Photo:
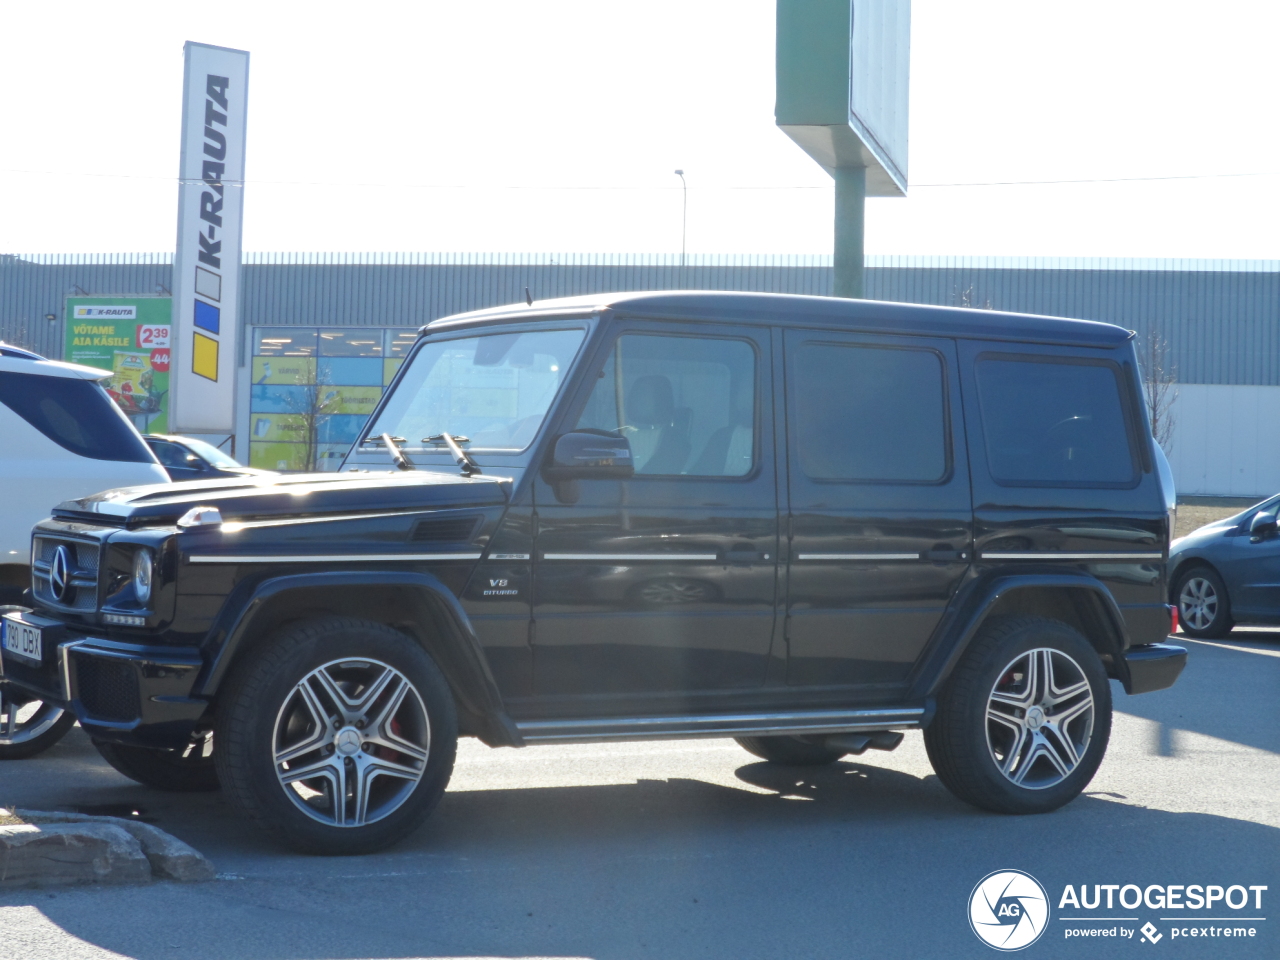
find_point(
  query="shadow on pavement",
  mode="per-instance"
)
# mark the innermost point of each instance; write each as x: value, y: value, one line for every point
x: 1230, y: 689
x: 822, y: 861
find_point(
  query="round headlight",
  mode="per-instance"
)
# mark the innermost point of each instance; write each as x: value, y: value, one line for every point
x: 142, y: 571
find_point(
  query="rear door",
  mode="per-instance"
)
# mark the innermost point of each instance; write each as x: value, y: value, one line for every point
x: 878, y: 501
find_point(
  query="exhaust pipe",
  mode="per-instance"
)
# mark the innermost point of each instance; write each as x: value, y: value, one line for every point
x: 861, y: 742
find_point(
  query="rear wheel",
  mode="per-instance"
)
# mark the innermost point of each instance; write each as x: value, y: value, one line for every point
x: 337, y: 735
x: 1023, y: 722
x: 1204, y: 609
x: 190, y: 770
x: 29, y: 727
x: 790, y: 751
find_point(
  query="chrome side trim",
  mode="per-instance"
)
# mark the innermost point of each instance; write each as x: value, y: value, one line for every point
x: 333, y: 558
x: 719, y: 725
x: 628, y: 557
x: 857, y: 556
x: 234, y: 526
x: 1072, y: 556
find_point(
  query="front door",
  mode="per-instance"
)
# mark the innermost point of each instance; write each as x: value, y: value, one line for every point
x: 878, y: 497
x: 663, y: 586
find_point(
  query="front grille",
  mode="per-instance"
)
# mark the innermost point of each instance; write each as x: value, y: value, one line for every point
x: 456, y: 529
x: 81, y: 595
x: 108, y: 689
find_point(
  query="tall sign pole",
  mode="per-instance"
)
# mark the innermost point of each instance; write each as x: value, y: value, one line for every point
x: 843, y: 67
x: 206, y: 266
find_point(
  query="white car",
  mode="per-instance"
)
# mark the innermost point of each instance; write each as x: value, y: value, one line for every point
x: 61, y: 437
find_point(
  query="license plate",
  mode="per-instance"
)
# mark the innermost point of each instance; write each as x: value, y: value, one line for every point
x: 23, y: 640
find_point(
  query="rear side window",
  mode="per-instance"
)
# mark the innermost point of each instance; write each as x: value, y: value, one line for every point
x: 1055, y: 423
x: 75, y: 414
x: 870, y: 414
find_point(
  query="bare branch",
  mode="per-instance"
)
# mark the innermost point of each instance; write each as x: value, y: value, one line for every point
x: 1160, y: 386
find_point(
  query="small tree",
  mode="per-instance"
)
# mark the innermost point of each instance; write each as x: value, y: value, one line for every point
x: 306, y: 406
x: 1160, y: 385
x: 967, y: 298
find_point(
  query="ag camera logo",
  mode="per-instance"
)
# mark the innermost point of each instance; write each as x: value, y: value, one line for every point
x: 1008, y: 910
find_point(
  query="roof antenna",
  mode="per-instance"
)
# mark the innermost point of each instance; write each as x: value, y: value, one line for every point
x: 528, y: 297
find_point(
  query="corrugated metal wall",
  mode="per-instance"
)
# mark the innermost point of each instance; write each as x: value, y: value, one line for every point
x: 1220, y: 317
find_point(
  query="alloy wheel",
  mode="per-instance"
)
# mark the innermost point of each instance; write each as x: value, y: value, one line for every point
x: 1040, y: 718
x: 351, y: 742
x: 1198, y: 603
x: 23, y: 721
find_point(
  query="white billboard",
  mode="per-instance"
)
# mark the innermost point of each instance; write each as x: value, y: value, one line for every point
x: 206, y: 266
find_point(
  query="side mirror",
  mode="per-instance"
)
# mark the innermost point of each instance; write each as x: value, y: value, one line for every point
x: 584, y: 455
x: 1262, y: 525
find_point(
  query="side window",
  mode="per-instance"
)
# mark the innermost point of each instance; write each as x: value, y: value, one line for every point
x: 870, y: 414
x: 1055, y: 423
x: 75, y: 414
x: 687, y: 405
x: 171, y: 454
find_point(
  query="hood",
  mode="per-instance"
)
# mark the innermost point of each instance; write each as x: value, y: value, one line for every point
x: 275, y: 496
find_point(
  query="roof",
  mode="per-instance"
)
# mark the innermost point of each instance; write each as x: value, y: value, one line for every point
x: 793, y: 310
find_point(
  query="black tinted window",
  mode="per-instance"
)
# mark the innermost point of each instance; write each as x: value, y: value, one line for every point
x: 75, y: 414
x: 869, y: 413
x: 1054, y: 423
x: 686, y: 405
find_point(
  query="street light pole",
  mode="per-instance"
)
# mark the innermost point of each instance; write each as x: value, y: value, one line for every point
x: 684, y: 220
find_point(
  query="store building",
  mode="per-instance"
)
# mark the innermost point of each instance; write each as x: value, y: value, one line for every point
x: 324, y: 333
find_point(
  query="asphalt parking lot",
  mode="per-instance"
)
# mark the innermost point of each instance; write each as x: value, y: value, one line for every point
x: 695, y: 849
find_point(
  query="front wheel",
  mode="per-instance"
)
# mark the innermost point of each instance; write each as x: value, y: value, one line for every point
x: 1023, y: 722
x: 29, y: 727
x: 337, y: 735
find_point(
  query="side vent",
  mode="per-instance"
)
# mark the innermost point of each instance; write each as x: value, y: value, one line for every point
x: 451, y: 529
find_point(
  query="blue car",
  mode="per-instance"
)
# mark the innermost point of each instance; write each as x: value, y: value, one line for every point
x: 1228, y: 572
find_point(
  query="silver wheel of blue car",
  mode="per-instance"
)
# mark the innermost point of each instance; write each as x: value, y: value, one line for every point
x: 1040, y: 718
x: 1198, y: 603
x: 351, y: 742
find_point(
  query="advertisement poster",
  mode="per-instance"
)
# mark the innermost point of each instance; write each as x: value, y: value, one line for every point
x: 130, y: 337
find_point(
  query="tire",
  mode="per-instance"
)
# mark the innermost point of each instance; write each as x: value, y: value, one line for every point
x: 790, y: 751
x: 990, y: 757
x: 174, y: 771
x: 1204, y: 608
x: 362, y: 707
x: 29, y: 727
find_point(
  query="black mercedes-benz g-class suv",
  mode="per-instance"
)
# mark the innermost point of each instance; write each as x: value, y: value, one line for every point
x: 805, y: 523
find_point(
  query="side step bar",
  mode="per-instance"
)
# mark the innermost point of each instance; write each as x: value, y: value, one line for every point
x: 799, y: 723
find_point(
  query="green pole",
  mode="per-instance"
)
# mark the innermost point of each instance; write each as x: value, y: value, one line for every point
x: 851, y: 201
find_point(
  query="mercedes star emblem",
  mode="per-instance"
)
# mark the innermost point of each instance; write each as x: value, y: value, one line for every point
x: 60, y: 573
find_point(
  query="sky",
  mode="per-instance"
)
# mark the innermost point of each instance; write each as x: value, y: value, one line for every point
x: 555, y: 125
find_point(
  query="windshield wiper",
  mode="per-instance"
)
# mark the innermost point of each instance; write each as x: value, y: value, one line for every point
x: 460, y: 456
x: 397, y: 457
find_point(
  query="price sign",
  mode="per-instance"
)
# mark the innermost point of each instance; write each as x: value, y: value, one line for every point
x: 152, y: 335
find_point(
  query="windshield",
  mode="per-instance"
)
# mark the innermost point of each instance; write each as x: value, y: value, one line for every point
x: 492, y: 390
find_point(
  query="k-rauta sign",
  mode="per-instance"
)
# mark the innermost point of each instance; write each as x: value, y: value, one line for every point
x: 206, y: 267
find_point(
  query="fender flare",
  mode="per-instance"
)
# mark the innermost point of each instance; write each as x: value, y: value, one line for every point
x: 459, y: 653
x: 1110, y: 635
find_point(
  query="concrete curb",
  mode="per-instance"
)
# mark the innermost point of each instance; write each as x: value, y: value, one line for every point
x: 52, y: 848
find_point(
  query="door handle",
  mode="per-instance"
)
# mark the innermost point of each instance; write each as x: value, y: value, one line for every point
x: 744, y: 556
x: 941, y: 556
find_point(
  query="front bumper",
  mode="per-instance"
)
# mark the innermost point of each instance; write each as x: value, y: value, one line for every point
x: 1154, y: 666
x: 122, y: 692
